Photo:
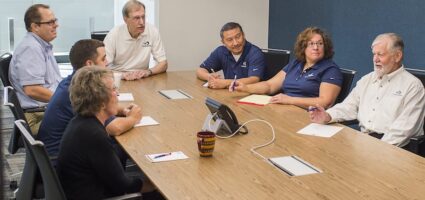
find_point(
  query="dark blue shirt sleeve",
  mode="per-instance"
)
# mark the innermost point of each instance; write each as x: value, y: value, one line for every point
x: 256, y: 62
x: 332, y: 75
x: 213, y: 61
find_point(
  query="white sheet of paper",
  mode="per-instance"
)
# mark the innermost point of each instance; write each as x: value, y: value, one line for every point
x: 125, y: 97
x: 176, y: 155
x: 320, y: 130
x: 294, y: 165
x: 205, y: 84
x: 175, y: 94
x: 146, y: 121
x: 256, y: 99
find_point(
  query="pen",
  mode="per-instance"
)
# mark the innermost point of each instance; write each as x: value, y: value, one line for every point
x: 234, y: 83
x: 311, y: 108
x: 162, y: 155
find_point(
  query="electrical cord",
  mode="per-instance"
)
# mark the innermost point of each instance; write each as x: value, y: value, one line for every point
x: 253, y: 149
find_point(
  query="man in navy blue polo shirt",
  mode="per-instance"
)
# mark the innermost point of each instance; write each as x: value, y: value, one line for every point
x: 238, y: 59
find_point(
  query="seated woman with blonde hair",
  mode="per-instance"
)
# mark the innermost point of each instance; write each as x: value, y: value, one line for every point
x: 311, y: 79
x: 88, y: 166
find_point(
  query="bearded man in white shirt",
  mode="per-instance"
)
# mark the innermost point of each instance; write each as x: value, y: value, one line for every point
x: 388, y: 102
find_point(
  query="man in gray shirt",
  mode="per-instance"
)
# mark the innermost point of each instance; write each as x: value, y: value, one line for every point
x: 33, y: 71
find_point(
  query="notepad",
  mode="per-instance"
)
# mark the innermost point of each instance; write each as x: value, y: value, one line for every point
x: 175, y: 94
x: 146, y: 121
x: 294, y: 166
x: 320, y: 130
x: 125, y: 97
x: 176, y: 155
x: 255, y: 99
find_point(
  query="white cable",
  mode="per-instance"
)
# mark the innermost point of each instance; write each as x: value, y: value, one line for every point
x: 253, y: 149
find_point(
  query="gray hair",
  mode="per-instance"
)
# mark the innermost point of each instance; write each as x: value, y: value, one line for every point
x: 130, y: 5
x: 396, y: 42
x: 88, y: 91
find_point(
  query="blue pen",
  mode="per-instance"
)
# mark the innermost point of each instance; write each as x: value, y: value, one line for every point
x: 234, y: 83
x: 162, y: 155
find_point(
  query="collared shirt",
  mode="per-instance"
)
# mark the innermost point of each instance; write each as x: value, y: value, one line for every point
x: 125, y: 53
x: 300, y: 83
x: 57, y: 116
x: 250, y: 63
x: 393, y: 105
x: 33, y: 63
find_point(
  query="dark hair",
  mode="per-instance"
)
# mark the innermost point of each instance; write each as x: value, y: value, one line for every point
x: 230, y: 26
x: 88, y: 91
x: 304, y: 37
x: 82, y: 51
x: 32, y: 15
x: 131, y: 4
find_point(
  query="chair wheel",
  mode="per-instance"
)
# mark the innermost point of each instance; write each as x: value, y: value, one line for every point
x: 13, y: 185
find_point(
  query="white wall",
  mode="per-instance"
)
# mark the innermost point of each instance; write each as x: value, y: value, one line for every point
x: 190, y: 28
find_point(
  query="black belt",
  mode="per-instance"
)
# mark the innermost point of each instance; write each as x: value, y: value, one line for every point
x: 376, y: 135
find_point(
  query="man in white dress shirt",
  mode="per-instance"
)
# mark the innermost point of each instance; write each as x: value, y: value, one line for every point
x: 388, y: 102
x: 129, y: 46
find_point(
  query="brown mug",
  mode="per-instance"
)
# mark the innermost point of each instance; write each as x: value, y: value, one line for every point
x: 206, y: 142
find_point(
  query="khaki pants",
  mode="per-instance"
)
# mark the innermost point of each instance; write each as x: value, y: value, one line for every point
x: 34, y: 121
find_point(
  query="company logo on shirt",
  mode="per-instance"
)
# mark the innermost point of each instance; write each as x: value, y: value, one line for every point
x: 146, y: 44
x: 255, y: 69
x: 243, y: 64
x: 309, y: 75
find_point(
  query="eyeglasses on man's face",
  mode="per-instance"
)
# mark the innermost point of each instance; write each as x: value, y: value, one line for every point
x: 313, y: 44
x: 50, y: 23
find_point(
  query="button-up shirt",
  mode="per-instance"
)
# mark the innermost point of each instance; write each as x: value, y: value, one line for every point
x: 392, y: 105
x: 33, y: 63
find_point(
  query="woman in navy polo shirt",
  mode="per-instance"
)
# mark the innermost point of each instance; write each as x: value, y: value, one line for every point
x: 312, y: 78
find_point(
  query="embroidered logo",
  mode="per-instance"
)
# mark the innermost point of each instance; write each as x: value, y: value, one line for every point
x: 255, y: 69
x: 146, y: 44
x: 310, y: 75
x: 243, y: 64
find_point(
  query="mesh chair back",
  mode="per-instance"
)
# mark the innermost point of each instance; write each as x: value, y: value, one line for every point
x: 4, y: 71
x: 99, y: 35
x: 348, y: 77
x: 276, y: 59
x: 51, y: 184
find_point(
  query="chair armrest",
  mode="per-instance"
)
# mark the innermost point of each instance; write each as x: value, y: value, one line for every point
x: 126, y: 196
x: 32, y: 110
x: 350, y: 122
x: 416, y: 145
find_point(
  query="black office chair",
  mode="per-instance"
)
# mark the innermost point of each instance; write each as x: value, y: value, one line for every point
x: 347, y: 80
x: 38, y: 161
x: 276, y: 59
x: 10, y: 99
x: 417, y: 144
x: 4, y: 71
x: 99, y: 35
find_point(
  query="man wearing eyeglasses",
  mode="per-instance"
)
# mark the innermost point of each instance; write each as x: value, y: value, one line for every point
x: 129, y: 46
x: 33, y: 71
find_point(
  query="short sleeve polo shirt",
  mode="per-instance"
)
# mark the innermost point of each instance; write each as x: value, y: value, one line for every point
x: 300, y: 83
x: 251, y: 62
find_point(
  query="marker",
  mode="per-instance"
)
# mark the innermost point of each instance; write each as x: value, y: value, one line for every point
x: 162, y: 155
x: 311, y: 108
x: 234, y: 83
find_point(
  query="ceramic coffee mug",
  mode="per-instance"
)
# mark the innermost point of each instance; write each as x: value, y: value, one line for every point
x: 206, y: 142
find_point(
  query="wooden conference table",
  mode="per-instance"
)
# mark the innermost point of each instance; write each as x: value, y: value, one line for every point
x: 354, y: 165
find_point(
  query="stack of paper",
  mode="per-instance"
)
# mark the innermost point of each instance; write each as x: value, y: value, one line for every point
x: 294, y: 166
x: 161, y: 157
x: 125, y: 97
x: 175, y: 94
x: 256, y: 99
x: 320, y: 130
x: 146, y: 121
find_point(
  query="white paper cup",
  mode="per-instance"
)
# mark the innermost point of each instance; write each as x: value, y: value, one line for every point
x: 117, y: 79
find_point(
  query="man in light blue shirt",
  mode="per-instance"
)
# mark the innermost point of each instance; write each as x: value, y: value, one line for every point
x: 33, y: 71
